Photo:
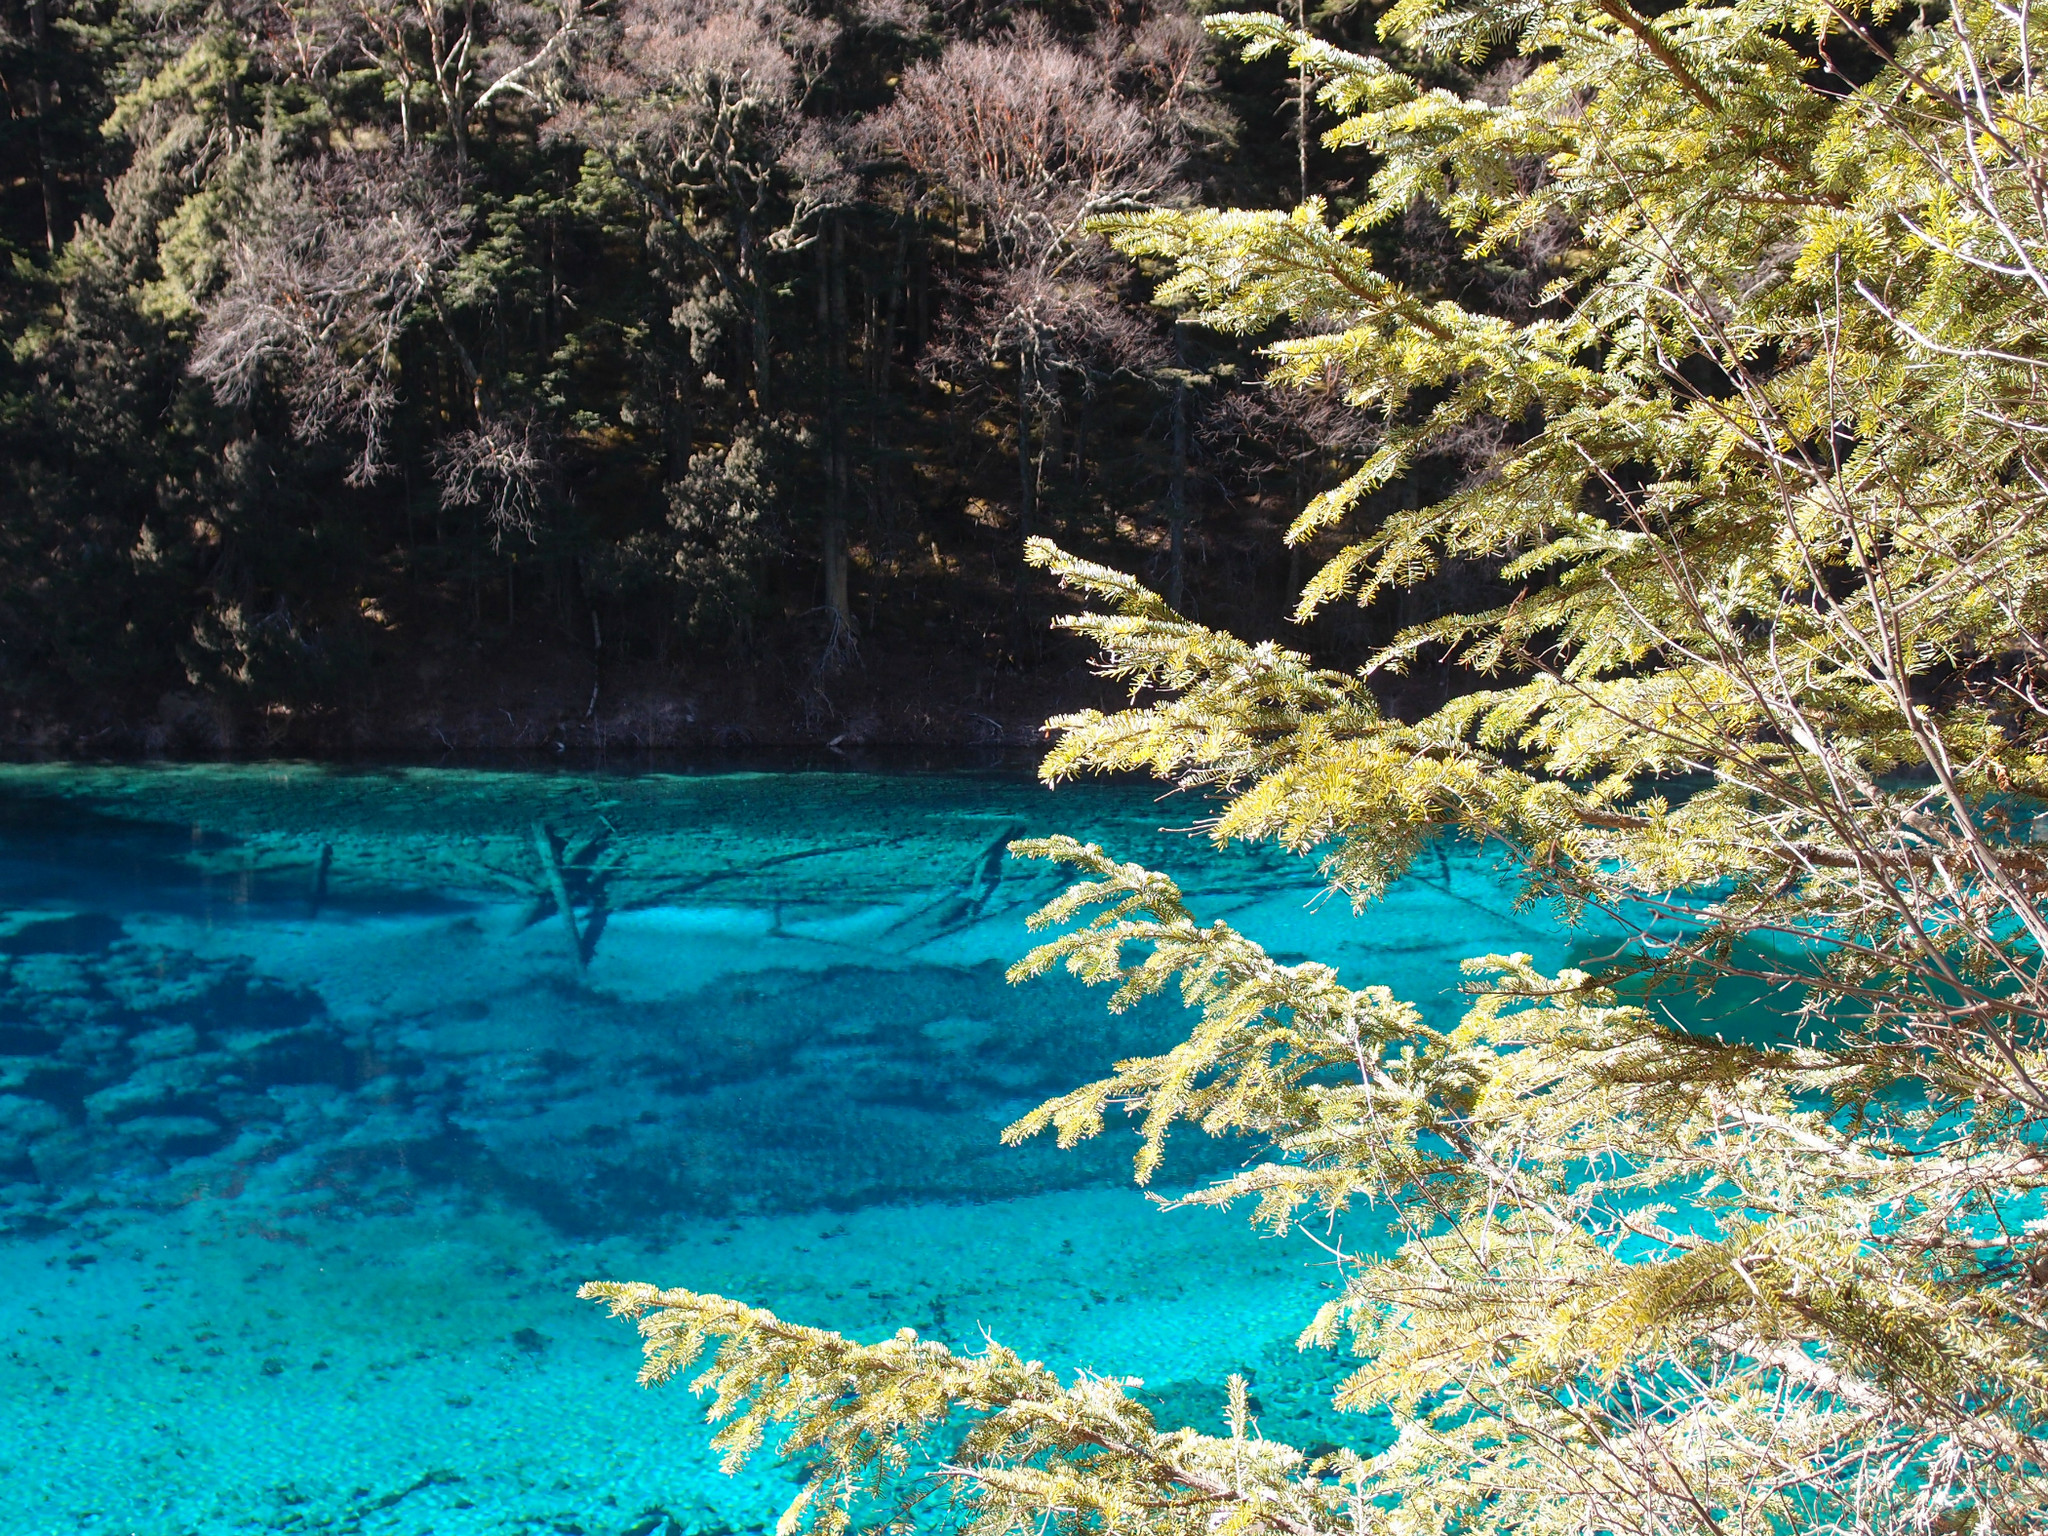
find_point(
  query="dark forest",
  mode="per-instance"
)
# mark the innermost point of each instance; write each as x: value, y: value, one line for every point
x: 400, y: 375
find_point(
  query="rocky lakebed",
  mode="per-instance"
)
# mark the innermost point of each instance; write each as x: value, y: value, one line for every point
x: 321, y: 1089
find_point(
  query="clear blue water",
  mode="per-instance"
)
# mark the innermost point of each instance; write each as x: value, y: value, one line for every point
x: 313, y: 1115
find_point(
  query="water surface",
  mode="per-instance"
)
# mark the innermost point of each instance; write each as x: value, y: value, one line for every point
x: 314, y: 1110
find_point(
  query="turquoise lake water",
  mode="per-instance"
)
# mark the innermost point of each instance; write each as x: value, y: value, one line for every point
x: 314, y: 1112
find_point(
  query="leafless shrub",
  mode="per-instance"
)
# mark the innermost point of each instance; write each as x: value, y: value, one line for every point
x: 907, y: 17
x: 468, y: 56
x: 816, y: 163
x: 1064, y: 319
x: 1270, y: 430
x: 1032, y: 137
x: 697, y: 105
x: 528, y: 47
x: 1166, y: 58
x: 503, y: 465
x: 1031, y: 134
x: 319, y: 288
x: 701, y: 95
x: 306, y: 42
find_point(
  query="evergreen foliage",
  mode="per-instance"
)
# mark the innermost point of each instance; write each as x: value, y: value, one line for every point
x: 1761, y: 466
x: 343, y: 336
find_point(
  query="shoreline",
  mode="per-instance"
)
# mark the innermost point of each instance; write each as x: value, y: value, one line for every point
x: 544, y: 702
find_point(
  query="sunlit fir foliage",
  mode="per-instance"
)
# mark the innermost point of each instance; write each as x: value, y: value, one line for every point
x: 1763, y: 474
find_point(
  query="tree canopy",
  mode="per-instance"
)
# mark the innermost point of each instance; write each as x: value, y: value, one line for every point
x: 1757, y: 456
x: 350, y: 340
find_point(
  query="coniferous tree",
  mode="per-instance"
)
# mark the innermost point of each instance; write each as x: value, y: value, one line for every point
x: 1760, y: 476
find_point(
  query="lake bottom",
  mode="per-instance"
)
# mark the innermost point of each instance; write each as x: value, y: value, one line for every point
x: 321, y: 1092
x: 219, y: 1369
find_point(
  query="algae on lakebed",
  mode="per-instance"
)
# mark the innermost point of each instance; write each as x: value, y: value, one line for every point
x: 312, y: 1115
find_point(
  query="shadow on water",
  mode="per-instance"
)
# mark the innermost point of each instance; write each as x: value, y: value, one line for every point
x: 58, y: 850
x: 81, y: 933
x: 587, y: 1021
x: 332, y: 1085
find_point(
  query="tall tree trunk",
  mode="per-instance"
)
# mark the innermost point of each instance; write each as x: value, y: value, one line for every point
x: 882, y: 359
x: 1299, y: 501
x: 1177, y: 484
x: 1301, y: 102
x: 679, y: 427
x: 761, y: 345
x: 750, y: 263
x: 832, y: 303
x: 40, y: 94
x: 551, y: 311
x: 447, y: 56
x: 1027, y: 479
x: 923, y: 296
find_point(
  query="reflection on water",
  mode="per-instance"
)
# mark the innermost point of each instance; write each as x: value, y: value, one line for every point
x: 321, y: 1090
